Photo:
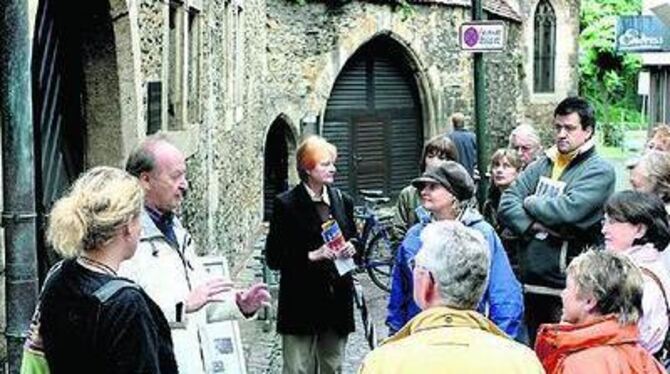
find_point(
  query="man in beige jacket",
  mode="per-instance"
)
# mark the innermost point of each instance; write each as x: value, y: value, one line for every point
x: 166, y: 265
x: 450, y: 273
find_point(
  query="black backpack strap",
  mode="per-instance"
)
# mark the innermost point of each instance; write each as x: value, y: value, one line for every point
x: 109, y: 289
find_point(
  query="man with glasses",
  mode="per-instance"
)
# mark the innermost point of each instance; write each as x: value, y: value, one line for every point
x: 556, y: 207
x: 525, y: 140
x: 450, y: 275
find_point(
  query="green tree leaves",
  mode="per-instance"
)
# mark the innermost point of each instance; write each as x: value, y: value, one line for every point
x: 608, y: 78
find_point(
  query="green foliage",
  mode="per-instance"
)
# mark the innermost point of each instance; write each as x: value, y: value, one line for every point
x: 608, y: 78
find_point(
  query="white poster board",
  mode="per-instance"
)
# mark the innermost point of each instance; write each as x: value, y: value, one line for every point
x: 223, y: 351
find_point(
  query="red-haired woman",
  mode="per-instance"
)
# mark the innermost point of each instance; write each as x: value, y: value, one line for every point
x: 315, y: 313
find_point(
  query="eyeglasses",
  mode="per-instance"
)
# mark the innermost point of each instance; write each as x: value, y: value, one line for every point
x: 568, y: 128
x: 414, y: 267
x: 610, y: 221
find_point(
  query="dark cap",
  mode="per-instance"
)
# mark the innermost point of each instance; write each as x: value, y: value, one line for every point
x: 452, y: 176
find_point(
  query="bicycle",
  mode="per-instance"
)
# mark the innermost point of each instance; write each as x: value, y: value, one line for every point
x: 378, y: 253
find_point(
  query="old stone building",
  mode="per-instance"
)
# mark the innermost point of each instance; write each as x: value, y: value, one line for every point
x: 237, y: 83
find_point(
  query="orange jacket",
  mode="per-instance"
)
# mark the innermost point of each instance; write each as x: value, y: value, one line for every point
x: 601, y: 347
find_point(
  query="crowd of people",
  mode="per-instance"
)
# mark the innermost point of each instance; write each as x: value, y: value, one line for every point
x: 555, y: 273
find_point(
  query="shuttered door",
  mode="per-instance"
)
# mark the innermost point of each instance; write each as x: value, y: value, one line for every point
x: 58, y: 124
x: 373, y: 118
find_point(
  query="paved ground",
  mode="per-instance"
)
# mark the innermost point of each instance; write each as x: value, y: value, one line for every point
x: 262, y: 345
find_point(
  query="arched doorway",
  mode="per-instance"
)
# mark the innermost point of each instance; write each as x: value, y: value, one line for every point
x: 373, y: 116
x: 279, y: 146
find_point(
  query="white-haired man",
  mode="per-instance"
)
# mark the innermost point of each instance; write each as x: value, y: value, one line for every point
x: 165, y: 263
x: 525, y: 140
x: 450, y: 275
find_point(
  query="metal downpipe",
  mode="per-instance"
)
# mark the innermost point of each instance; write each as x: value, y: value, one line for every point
x: 18, y: 218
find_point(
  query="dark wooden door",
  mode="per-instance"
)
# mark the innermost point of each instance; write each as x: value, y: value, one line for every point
x: 373, y: 117
x: 57, y: 114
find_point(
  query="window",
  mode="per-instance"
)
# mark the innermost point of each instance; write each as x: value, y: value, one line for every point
x: 235, y: 51
x: 183, y: 65
x: 175, y: 66
x: 544, y: 47
x: 193, y: 79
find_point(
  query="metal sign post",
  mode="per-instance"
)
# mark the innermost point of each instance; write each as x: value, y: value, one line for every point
x: 478, y: 37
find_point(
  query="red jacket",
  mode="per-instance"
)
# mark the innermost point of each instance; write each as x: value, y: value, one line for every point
x: 601, y: 347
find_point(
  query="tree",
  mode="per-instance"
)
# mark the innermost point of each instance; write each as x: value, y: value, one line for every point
x: 608, y: 78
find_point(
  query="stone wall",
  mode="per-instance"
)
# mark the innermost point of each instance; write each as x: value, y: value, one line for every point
x: 293, y: 54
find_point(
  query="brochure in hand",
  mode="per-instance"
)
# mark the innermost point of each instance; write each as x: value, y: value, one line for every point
x: 334, y: 239
x: 548, y: 188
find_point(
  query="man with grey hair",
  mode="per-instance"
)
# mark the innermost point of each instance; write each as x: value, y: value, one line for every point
x: 450, y: 275
x: 602, y: 303
x: 165, y: 262
x: 525, y: 140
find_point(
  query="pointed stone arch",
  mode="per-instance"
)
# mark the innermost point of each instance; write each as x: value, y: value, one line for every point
x: 375, y: 115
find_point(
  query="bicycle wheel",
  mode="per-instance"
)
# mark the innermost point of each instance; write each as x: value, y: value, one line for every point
x: 379, y: 262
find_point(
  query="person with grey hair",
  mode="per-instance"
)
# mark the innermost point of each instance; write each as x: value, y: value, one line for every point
x: 525, y: 140
x: 445, y: 191
x: 166, y: 266
x: 451, y: 272
x: 602, y: 302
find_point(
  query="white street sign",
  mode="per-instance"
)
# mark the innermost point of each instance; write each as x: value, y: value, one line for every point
x: 483, y: 36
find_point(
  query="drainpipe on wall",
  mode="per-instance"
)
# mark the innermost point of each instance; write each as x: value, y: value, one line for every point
x: 18, y: 217
x: 481, y: 127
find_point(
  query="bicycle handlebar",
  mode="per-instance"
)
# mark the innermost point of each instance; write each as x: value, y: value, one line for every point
x: 371, y: 193
x: 377, y: 200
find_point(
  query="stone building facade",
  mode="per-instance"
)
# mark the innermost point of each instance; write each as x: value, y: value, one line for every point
x: 237, y: 83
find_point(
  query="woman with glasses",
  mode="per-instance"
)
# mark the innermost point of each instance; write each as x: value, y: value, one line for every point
x: 445, y: 192
x: 636, y: 224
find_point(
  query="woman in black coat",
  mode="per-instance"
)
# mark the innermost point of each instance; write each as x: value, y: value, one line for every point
x: 315, y: 312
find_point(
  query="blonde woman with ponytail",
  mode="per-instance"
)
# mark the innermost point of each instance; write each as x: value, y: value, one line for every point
x: 90, y: 319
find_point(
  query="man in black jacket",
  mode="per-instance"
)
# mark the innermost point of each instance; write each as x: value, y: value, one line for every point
x: 556, y: 206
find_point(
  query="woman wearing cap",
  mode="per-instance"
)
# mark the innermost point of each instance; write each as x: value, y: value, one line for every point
x: 315, y: 313
x: 408, y: 209
x: 445, y: 191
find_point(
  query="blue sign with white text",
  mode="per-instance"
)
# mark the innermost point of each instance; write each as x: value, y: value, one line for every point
x: 642, y: 34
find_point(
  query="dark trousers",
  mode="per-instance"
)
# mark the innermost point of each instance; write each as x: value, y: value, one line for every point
x: 541, y: 309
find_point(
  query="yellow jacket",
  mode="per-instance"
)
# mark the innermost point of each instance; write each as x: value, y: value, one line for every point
x: 446, y: 340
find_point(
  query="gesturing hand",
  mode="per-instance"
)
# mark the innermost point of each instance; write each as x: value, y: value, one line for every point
x: 211, y: 290
x: 252, y: 299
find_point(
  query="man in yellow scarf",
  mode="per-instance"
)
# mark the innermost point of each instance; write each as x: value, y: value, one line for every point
x: 556, y: 207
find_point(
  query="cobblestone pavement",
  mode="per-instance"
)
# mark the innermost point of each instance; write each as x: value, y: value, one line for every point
x: 262, y: 345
